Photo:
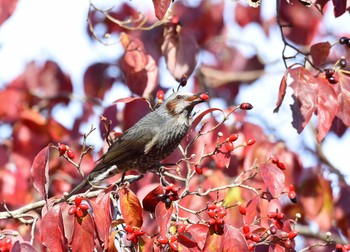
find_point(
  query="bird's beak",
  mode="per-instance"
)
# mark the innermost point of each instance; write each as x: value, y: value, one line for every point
x: 198, y: 98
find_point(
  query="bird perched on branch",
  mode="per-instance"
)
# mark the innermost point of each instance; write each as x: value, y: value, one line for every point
x: 151, y: 139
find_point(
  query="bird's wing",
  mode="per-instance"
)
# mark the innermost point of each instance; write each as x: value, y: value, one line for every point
x: 128, y: 146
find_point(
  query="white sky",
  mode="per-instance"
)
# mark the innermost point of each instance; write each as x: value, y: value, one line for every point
x: 56, y: 30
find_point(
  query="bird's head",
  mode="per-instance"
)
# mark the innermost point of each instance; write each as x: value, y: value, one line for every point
x: 182, y: 103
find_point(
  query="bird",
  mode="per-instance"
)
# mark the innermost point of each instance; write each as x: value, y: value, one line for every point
x: 154, y: 137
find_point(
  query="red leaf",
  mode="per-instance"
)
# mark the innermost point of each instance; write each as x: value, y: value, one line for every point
x: 339, y: 7
x: 83, y: 238
x: 130, y: 207
x: 163, y: 216
x: 214, y: 243
x: 151, y: 200
x: 180, y: 50
x: 343, y: 92
x: 233, y: 240
x: 52, y: 230
x: 97, y: 80
x: 102, y: 216
x: 319, y: 53
x: 281, y: 91
x: 223, y: 157
x: 7, y: 7
x: 199, y: 233
x: 305, y: 97
x: 139, y: 68
x: 327, y: 107
x: 161, y: 7
x: 273, y: 178
x: 40, y: 171
x: 245, y: 15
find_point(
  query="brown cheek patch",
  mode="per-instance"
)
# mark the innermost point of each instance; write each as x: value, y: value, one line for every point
x: 171, y: 105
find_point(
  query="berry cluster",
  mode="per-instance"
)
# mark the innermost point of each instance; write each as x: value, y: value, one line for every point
x: 80, y: 208
x: 251, y: 238
x: 133, y: 233
x: 217, y: 214
x: 292, y: 194
x: 64, y: 149
x: 342, y: 248
x: 163, y: 241
x: 170, y: 194
x: 278, y: 163
x: 329, y: 73
x: 6, y: 244
x: 344, y: 41
x: 278, y: 218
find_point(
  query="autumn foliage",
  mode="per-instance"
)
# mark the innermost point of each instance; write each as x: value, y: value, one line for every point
x: 229, y: 186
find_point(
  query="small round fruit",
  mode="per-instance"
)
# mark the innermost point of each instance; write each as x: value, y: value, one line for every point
x: 245, y: 106
x: 255, y: 237
x: 77, y: 200
x: 272, y: 215
x: 183, y: 81
x: 332, y: 80
x: 84, y: 206
x: 198, y: 169
x: 162, y: 240
x: 246, y: 229
x: 273, y: 229
x: 343, y: 40
x: 62, y: 148
x: 204, y: 96
x: 329, y: 72
x: 229, y: 146
x: 250, y: 142
x: 211, y: 213
x: 293, y: 196
x: 242, y: 209
x: 280, y: 216
x: 233, y: 137
x: 72, y: 210
x: 129, y: 229
x: 274, y: 160
x: 70, y: 154
x: 292, y: 234
x: 342, y: 62
x: 160, y: 95
x: 212, y: 206
x: 281, y: 165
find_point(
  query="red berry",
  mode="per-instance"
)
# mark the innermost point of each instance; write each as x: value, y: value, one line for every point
x: 212, y: 222
x: 77, y: 200
x: 129, y: 229
x: 329, y: 72
x: 280, y: 216
x: 130, y: 236
x: 160, y: 95
x: 139, y: 232
x: 229, y: 146
x: 233, y: 137
x: 346, y: 247
x: 246, y: 229
x: 183, y: 81
x: 220, y: 221
x: 272, y: 215
x: 162, y: 240
x: 242, y: 209
x: 222, y: 213
x: 343, y: 40
x: 173, y: 238
x: 72, y: 210
x: 293, y: 196
x: 255, y: 237
x: 338, y: 247
x: 274, y: 160
x: 70, y: 154
x: 175, y: 20
x: 246, y: 106
x: 273, y: 230
x: 291, y: 187
x: 79, y: 213
x: 211, y: 213
x: 84, y: 206
x: 181, y: 228
x: 279, y: 224
x: 174, y: 246
x: 332, y: 80
x: 342, y: 62
x: 288, y: 244
x: 198, y: 169
x: 204, y: 96
x: 212, y: 206
x: 251, y: 246
x: 250, y: 142
x: 281, y: 165
x: 292, y: 234
x: 62, y: 148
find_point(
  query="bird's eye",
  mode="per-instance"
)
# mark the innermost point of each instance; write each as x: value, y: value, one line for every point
x: 179, y: 97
